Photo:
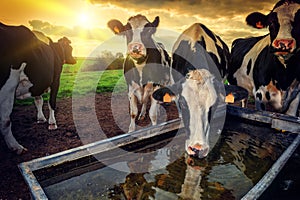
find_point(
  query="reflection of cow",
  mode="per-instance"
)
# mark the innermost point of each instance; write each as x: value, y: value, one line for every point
x: 198, y: 58
x: 146, y: 65
x: 29, y: 67
x: 269, y: 66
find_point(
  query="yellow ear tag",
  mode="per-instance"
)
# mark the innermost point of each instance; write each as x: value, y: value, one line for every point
x: 116, y: 29
x: 229, y: 98
x: 167, y: 98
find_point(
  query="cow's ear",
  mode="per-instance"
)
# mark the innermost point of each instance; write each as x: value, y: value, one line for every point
x: 116, y: 26
x: 164, y: 95
x: 155, y: 22
x: 257, y: 20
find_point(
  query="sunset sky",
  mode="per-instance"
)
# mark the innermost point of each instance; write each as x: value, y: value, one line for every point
x: 85, y: 22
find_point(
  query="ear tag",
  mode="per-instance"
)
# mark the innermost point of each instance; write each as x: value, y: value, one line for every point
x: 259, y: 25
x: 167, y: 98
x: 116, y: 30
x: 229, y: 98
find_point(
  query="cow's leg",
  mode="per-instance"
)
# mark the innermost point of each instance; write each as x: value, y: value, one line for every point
x: 7, y: 94
x: 52, y: 100
x: 244, y: 102
x: 153, y: 111
x: 38, y: 101
x: 293, y: 108
x: 133, y: 111
x: 52, y: 120
x: 5, y: 111
x: 148, y: 89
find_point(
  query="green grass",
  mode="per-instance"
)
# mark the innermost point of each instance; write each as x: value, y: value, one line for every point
x: 75, y: 81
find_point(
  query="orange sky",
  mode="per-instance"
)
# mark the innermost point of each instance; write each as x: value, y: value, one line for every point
x: 84, y: 22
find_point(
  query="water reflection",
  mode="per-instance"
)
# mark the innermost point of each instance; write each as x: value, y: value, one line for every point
x: 241, y: 157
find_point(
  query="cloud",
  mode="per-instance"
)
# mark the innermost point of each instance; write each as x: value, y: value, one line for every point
x: 224, y: 17
x: 203, y: 8
x: 77, y: 31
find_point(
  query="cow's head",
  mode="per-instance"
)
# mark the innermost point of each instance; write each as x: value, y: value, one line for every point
x: 65, y: 43
x: 138, y: 32
x: 284, y: 26
x: 196, y: 95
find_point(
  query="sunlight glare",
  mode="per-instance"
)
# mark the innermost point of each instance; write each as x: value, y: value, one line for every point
x: 85, y: 20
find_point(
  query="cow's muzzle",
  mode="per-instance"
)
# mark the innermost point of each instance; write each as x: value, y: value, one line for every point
x: 136, y: 50
x: 199, y: 151
x: 284, y: 47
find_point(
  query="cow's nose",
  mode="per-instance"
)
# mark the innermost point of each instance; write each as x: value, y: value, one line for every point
x: 284, y: 44
x: 198, y: 150
x: 135, y: 48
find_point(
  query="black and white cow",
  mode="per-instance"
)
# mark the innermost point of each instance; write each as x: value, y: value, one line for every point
x: 146, y: 65
x: 199, y: 62
x: 269, y: 66
x: 29, y: 67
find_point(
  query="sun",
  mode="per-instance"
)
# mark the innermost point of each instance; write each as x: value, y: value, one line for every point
x: 85, y: 20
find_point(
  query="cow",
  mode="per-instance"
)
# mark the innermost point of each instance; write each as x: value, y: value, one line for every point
x: 29, y: 67
x: 269, y: 66
x: 199, y: 64
x: 146, y: 67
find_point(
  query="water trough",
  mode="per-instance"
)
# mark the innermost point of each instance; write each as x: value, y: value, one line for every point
x: 250, y: 152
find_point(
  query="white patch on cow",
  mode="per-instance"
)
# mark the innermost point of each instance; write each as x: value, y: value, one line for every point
x: 22, y: 91
x: 285, y: 13
x: 52, y: 120
x: 275, y: 96
x: 136, y: 90
x: 200, y: 94
x: 38, y: 101
x: 140, y: 71
x: 7, y: 93
x: 137, y: 24
x: 195, y: 33
x: 246, y: 80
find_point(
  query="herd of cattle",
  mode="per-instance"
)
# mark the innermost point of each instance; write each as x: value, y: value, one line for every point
x: 268, y: 67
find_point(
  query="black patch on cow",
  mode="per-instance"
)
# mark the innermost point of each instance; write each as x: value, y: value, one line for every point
x: 273, y: 25
x: 249, y: 65
x: 240, y: 47
x: 225, y: 58
x: 185, y: 59
x: 202, y: 42
x: 296, y: 28
x: 263, y: 70
x: 208, y: 32
x: 183, y: 106
x: 259, y: 96
x: 262, y: 106
x: 268, y: 97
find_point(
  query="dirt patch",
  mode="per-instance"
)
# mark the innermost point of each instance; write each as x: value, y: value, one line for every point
x: 76, y: 127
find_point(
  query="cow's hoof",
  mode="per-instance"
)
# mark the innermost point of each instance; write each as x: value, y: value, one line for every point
x: 41, y: 121
x: 21, y: 150
x: 52, y: 127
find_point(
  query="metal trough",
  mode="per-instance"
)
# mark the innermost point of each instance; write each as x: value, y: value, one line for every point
x: 277, y: 121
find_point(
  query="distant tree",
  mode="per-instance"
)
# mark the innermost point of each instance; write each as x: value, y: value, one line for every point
x: 107, y: 61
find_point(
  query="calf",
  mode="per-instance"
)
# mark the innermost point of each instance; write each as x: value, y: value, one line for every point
x: 146, y: 65
x: 199, y: 62
x: 269, y: 66
x: 29, y: 67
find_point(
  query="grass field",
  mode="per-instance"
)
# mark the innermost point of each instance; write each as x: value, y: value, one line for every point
x: 75, y: 80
